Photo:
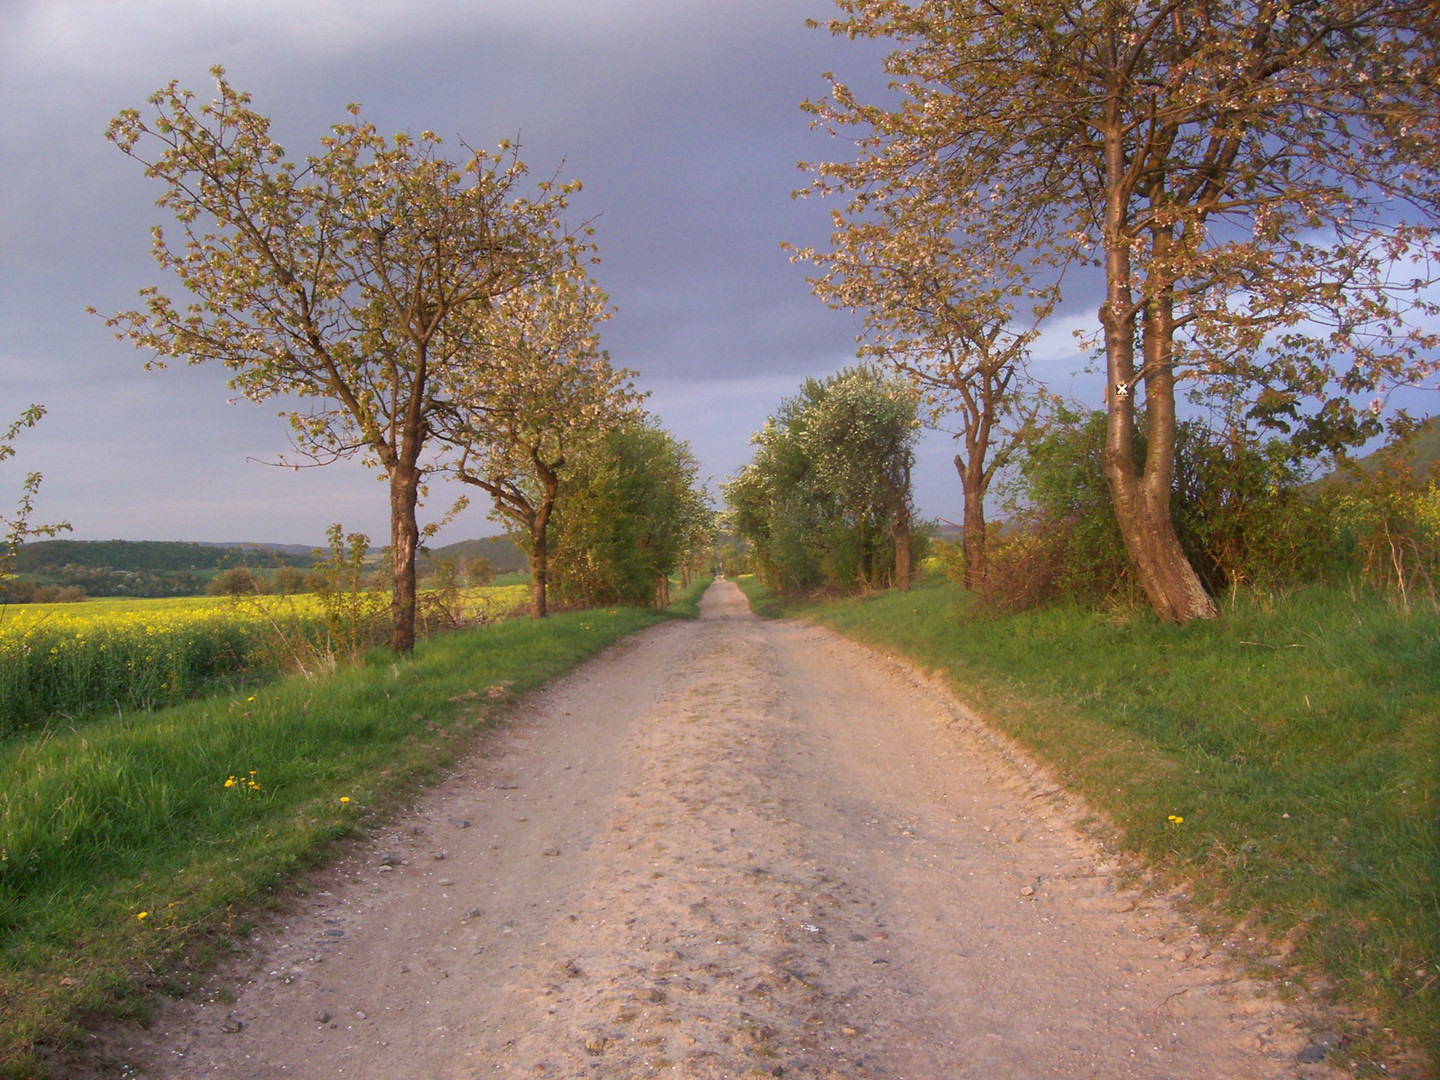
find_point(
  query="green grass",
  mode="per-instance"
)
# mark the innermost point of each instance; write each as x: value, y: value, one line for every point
x: 513, y: 577
x: 1297, y: 738
x: 133, y: 814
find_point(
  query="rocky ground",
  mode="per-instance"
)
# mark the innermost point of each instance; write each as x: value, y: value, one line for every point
x: 731, y: 848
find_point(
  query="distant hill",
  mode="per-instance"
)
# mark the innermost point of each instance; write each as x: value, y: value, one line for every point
x: 502, y: 552
x: 181, y: 568
x: 137, y: 567
x: 153, y: 555
x: 1422, y: 450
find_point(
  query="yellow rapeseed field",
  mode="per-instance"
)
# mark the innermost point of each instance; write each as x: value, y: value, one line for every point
x: 63, y: 660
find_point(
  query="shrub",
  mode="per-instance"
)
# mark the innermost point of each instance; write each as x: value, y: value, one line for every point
x: 288, y: 580
x: 236, y: 581
x: 1241, y: 509
x: 1242, y: 512
x: 477, y: 570
x: 1387, y: 519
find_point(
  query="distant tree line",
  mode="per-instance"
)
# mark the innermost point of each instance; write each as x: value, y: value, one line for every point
x: 67, y: 570
x: 146, y: 555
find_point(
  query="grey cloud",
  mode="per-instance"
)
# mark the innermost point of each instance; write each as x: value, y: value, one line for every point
x: 681, y: 118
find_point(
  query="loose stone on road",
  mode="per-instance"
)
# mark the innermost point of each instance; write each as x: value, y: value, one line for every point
x: 730, y: 848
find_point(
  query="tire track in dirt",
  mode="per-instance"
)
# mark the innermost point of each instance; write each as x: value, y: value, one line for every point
x: 730, y: 848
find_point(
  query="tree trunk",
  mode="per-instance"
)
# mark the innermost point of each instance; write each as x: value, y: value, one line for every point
x: 539, y: 570
x: 539, y: 522
x: 901, y: 528
x: 975, y: 541
x: 662, y: 592
x: 404, y: 539
x: 1142, y: 498
x: 1165, y: 574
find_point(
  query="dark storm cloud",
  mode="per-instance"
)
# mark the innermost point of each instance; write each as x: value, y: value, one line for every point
x: 681, y: 119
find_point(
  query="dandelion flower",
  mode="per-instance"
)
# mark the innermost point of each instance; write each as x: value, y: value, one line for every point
x: 142, y: 916
x: 231, y: 781
x: 344, y: 799
x: 1176, y: 819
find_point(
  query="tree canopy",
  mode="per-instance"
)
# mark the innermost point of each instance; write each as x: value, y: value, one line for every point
x: 539, y: 392
x: 632, y: 512
x: 355, y: 285
x: 1256, y: 180
x: 931, y: 318
x: 826, y: 498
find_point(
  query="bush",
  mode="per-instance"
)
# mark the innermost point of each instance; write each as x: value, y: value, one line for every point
x: 1387, y: 521
x: 28, y: 592
x: 1062, y: 537
x: 288, y: 580
x: 1242, y: 513
x: 477, y: 570
x: 237, y: 581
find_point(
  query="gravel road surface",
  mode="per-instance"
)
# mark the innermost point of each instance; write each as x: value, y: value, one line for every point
x: 730, y: 848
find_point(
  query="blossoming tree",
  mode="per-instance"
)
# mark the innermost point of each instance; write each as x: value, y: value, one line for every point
x: 351, y: 284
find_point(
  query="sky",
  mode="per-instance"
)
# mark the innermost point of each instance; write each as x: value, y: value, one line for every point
x: 680, y: 117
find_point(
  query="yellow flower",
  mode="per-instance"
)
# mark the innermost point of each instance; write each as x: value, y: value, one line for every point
x: 142, y: 916
x: 230, y: 782
x: 1176, y: 819
x: 344, y: 799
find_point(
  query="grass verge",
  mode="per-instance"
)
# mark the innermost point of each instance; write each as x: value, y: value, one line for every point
x: 131, y: 847
x: 1282, y: 760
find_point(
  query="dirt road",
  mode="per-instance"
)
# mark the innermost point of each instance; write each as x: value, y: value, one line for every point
x: 731, y: 848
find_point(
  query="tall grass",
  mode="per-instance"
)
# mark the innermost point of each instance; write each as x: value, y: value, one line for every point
x: 186, y: 815
x: 1297, y: 737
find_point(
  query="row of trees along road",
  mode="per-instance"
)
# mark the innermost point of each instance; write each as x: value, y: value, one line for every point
x: 430, y: 315
x: 1257, y: 181
x: 826, y: 498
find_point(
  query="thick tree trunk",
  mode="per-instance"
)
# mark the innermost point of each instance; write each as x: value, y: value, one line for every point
x: 404, y: 540
x: 539, y: 571
x: 1165, y: 574
x: 974, y: 540
x: 901, y: 528
x: 1142, y: 509
x: 539, y: 522
x: 1164, y: 571
x: 1142, y: 498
